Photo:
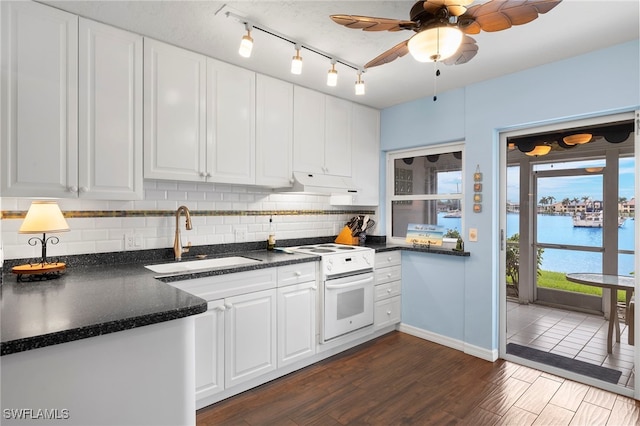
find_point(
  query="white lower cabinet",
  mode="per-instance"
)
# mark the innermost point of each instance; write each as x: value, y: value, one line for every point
x: 235, y: 341
x: 249, y: 336
x: 210, y: 350
x: 296, y: 323
x: 388, y: 272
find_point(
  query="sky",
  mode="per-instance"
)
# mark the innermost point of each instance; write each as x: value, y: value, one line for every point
x: 575, y: 186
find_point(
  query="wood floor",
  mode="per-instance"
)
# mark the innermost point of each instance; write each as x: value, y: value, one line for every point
x: 401, y: 379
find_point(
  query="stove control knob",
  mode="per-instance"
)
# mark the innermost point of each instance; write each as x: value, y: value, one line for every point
x: 366, y: 259
x: 329, y: 267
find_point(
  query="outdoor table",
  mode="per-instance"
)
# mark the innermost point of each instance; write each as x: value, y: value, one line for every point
x: 614, y: 283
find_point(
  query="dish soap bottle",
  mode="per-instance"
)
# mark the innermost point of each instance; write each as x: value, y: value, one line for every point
x: 271, y: 240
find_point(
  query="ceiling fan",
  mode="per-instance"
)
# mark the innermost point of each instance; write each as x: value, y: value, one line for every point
x: 442, y: 27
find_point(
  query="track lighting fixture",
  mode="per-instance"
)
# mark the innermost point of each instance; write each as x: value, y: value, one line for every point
x: 332, y: 75
x: 296, y: 62
x: 359, y: 84
x: 246, y: 44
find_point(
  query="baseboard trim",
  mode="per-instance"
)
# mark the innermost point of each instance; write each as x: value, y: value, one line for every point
x: 478, y: 352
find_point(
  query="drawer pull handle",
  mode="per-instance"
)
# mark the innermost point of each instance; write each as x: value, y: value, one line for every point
x: 314, y: 288
x: 389, y: 290
x: 389, y: 313
x: 228, y: 306
x: 389, y: 275
x: 298, y: 274
x: 220, y: 308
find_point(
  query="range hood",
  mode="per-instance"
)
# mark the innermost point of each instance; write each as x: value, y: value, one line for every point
x: 312, y: 183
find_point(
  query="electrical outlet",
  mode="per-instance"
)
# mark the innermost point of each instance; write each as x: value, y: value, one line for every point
x: 241, y: 235
x: 473, y: 234
x: 129, y: 241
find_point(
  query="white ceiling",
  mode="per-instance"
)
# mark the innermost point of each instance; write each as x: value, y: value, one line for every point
x: 571, y: 28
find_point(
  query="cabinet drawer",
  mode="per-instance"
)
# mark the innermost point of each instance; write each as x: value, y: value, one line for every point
x: 387, y: 312
x: 388, y: 258
x: 387, y: 290
x: 296, y: 274
x: 385, y: 275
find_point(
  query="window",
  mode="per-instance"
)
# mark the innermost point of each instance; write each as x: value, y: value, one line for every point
x: 424, y: 186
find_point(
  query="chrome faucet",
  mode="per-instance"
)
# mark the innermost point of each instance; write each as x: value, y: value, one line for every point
x: 178, y: 250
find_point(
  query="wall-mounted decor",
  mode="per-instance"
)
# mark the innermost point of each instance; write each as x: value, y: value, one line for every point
x: 477, y: 189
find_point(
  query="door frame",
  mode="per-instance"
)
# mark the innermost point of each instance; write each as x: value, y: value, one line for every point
x: 503, y: 134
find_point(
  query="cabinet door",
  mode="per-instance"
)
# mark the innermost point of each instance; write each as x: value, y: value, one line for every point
x: 365, y: 162
x: 110, y: 113
x: 250, y: 336
x: 308, y: 130
x: 209, y: 328
x: 230, y: 123
x: 296, y: 322
x: 337, y: 154
x: 274, y: 132
x: 174, y: 113
x: 39, y: 95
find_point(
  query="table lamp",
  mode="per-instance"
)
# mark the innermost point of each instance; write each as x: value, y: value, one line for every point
x: 42, y: 217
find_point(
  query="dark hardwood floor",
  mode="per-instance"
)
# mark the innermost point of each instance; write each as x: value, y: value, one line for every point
x: 401, y: 379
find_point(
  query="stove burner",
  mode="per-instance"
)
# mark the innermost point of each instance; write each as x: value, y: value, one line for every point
x: 345, y: 248
x: 306, y: 248
x: 321, y: 250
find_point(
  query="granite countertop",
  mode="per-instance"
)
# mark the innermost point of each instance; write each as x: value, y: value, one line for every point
x: 381, y: 247
x: 94, y: 300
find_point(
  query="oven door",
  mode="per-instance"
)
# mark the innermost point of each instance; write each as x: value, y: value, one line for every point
x: 348, y: 304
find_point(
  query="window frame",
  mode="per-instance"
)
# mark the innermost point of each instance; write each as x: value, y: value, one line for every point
x: 391, y: 156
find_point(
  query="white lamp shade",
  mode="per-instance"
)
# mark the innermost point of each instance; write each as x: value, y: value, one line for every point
x: 435, y: 44
x: 332, y: 77
x: 296, y: 65
x: 246, y: 45
x: 42, y: 217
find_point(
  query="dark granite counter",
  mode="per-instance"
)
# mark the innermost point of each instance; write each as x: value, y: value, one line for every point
x: 381, y: 247
x: 90, y: 301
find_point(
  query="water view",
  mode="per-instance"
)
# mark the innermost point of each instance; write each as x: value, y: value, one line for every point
x: 559, y: 230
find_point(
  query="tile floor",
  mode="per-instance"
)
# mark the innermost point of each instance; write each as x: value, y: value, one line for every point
x: 572, y: 334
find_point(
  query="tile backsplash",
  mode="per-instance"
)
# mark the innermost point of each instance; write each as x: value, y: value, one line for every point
x: 220, y: 214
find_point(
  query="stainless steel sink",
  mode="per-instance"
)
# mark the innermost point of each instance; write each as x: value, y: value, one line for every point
x: 200, y: 265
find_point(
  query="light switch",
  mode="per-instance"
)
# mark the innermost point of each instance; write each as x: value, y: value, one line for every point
x: 473, y: 234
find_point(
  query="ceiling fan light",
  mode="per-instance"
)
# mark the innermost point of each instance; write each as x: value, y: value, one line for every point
x: 246, y: 44
x: 577, y: 139
x: 359, y: 84
x: 435, y: 44
x: 539, y: 150
x: 332, y: 75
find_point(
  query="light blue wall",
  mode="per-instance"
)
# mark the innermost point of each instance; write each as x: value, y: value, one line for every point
x: 593, y: 84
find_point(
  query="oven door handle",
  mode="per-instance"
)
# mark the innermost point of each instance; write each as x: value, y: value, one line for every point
x: 347, y: 285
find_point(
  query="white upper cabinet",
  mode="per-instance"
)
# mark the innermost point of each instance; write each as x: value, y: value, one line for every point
x: 231, y: 121
x: 39, y: 95
x: 72, y: 106
x: 308, y: 130
x: 274, y: 132
x: 110, y: 113
x: 365, y: 164
x: 174, y: 113
x: 321, y: 133
x: 338, y: 150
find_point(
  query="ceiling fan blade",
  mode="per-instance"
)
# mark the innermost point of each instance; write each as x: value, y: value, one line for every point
x: 369, y: 23
x: 397, y: 51
x: 498, y: 15
x: 467, y: 50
